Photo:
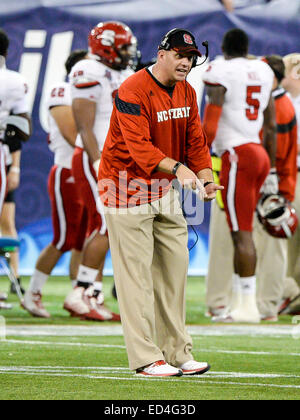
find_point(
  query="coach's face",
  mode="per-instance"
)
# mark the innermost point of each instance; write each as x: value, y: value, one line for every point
x: 175, y: 65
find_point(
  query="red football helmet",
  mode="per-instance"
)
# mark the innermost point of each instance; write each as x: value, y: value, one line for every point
x: 113, y: 43
x: 277, y: 216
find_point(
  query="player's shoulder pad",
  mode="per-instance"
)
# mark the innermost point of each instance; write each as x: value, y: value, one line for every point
x: 265, y: 67
x: 86, y: 73
x: 59, y: 94
x: 214, y: 73
x: 16, y: 83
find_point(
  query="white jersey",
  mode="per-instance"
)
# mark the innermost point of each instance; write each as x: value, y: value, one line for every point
x: 248, y: 85
x: 92, y: 80
x: 59, y: 95
x: 13, y: 99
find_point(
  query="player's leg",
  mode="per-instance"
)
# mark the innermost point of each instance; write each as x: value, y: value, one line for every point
x: 270, y: 271
x: 291, y: 295
x: 8, y: 228
x: 96, y: 245
x: 243, y: 172
x: 3, y: 184
x: 220, y: 264
x: 61, y: 193
x: 169, y: 273
x: 75, y: 261
x: 132, y: 246
x: 294, y: 242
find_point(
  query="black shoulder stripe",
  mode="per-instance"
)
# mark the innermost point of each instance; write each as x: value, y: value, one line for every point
x: 286, y: 128
x: 127, y: 107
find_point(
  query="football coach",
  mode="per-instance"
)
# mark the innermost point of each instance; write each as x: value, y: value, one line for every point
x: 155, y: 135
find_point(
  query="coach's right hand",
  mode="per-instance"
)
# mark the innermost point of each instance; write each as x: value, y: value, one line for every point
x: 189, y: 180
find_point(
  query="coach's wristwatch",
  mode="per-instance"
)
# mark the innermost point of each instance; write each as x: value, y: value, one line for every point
x: 176, y: 166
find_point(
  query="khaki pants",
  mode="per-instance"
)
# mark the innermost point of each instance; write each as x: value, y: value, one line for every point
x: 292, y: 282
x: 150, y: 259
x: 220, y: 264
x: 270, y: 270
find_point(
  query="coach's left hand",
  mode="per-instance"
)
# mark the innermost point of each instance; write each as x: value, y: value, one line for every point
x: 211, y: 191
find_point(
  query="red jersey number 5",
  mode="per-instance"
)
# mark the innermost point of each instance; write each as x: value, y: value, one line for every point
x: 252, y: 112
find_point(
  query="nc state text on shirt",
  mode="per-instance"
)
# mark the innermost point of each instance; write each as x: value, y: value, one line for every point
x: 173, y: 113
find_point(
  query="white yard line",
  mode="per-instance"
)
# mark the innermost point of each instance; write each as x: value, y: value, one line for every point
x: 116, y: 330
x: 127, y: 371
x: 54, y: 343
x: 133, y: 378
x: 116, y: 346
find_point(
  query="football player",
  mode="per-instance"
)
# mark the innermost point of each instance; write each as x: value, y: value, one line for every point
x: 68, y: 216
x: 15, y: 123
x: 240, y: 102
x: 95, y: 82
x: 271, y: 251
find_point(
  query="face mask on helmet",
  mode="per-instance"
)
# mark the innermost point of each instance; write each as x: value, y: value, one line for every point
x: 113, y: 43
x: 277, y: 216
x: 128, y: 54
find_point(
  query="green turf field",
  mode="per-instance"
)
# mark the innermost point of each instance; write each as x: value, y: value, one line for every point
x: 64, y: 358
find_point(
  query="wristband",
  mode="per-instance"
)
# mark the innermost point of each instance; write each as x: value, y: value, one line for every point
x: 207, y: 183
x: 176, y: 166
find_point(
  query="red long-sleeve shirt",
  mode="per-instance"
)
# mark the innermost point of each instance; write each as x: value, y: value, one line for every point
x: 149, y: 122
x: 287, y: 148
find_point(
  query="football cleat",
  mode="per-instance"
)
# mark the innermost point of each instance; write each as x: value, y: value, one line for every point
x: 84, y: 304
x: 13, y: 289
x: 219, y: 311
x: 239, y: 316
x: 4, y: 305
x: 98, y: 311
x: 290, y: 306
x: 75, y: 303
x: 269, y: 318
x: 32, y: 303
x: 194, y: 368
x: 3, y: 297
x: 159, y: 369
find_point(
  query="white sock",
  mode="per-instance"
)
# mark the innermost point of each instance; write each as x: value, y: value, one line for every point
x: 98, y: 286
x: 86, y: 274
x: 236, y: 284
x: 98, y: 290
x: 236, y: 292
x: 248, y: 285
x: 37, y: 281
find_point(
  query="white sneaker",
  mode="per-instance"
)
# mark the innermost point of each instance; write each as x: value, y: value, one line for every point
x: 3, y: 296
x: 159, y: 369
x: 32, y: 303
x: 4, y: 305
x: 194, y: 368
x: 98, y: 311
x: 218, y: 311
x: 75, y: 304
x: 239, y: 316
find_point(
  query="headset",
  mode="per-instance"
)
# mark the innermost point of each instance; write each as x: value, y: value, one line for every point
x: 165, y: 44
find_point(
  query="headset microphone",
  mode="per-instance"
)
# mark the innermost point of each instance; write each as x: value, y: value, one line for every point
x: 205, y: 44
